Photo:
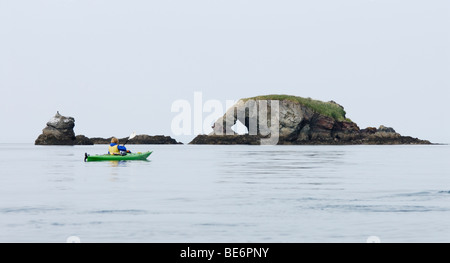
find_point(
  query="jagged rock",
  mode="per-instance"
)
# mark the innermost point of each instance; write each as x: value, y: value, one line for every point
x: 296, y: 120
x: 369, y: 130
x: 385, y: 129
x: 59, y: 131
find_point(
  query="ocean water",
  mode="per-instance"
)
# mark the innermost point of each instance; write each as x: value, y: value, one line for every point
x: 193, y: 193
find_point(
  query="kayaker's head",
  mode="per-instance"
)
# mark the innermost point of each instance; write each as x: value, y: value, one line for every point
x: 114, y: 140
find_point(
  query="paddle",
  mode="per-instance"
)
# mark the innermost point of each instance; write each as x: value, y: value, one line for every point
x: 131, y: 137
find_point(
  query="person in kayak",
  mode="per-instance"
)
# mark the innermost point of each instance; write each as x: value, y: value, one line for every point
x: 115, y: 148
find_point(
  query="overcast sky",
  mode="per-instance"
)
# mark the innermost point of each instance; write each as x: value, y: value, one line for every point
x: 117, y: 66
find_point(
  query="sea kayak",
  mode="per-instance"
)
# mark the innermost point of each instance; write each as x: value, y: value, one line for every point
x: 110, y: 157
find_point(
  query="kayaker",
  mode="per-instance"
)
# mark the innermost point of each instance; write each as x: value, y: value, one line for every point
x: 115, y: 148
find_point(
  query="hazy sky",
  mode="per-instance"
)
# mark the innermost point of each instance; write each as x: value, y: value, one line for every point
x: 117, y: 66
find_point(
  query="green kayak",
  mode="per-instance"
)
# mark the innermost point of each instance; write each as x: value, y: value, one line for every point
x: 109, y: 157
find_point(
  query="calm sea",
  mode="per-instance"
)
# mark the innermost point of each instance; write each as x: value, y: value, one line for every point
x: 188, y: 193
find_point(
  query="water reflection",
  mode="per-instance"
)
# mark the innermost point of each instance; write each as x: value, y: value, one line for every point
x: 118, y: 163
x: 125, y: 163
x: 124, y: 169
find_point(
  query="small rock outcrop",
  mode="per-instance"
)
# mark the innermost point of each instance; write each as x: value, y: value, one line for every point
x: 227, y: 139
x: 83, y: 140
x: 139, y: 139
x: 296, y: 121
x: 59, y: 131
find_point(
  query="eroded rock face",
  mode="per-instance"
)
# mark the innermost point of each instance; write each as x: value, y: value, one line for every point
x: 289, y: 116
x: 59, y: 131
x: 297, y: 124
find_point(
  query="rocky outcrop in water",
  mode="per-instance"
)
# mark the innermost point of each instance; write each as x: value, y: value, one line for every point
x: 139, y: 139
x: 296, y: 121
x: 83, y: 140
x: 59, y: 131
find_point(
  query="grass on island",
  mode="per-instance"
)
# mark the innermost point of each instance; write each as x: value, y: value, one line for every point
x: 325, y: 108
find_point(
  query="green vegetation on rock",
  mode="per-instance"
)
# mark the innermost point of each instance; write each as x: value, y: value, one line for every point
x: 329, y: 109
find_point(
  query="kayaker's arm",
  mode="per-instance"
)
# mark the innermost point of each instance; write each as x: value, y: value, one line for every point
x: 121, y: 148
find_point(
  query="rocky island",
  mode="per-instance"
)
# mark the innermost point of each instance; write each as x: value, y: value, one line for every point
x: 299, y: 121
x: 59, y: 131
